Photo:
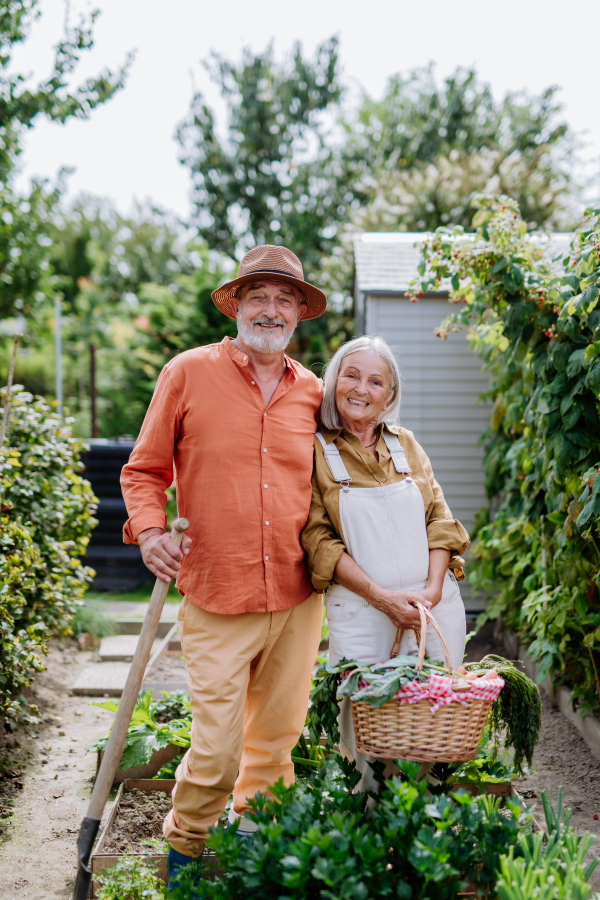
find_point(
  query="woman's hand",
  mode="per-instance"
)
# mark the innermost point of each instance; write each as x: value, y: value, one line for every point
x: 400, y: 606
x: 429, y: 597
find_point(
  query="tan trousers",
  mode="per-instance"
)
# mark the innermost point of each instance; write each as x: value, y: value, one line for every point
x: 249, y: 681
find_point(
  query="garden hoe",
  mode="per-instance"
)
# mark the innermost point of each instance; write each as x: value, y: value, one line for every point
x: 112, y: 756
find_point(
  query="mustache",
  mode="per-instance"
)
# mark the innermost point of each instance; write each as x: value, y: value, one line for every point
x: 265, y: 320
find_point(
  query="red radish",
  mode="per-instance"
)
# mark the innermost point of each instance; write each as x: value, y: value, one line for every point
x: 461, y: 670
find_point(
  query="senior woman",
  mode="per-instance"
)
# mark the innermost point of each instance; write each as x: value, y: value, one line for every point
x: 380, y: 537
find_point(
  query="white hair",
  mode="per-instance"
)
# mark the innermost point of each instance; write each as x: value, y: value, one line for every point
x: 330, y: 416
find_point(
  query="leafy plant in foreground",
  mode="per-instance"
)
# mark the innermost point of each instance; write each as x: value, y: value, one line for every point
x: 145, y: 733
x: 549, y: 867
x: 131, y: 878
x: 318, y: 839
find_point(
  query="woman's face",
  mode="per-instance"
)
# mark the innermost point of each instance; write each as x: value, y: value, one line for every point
x: 363, y: 389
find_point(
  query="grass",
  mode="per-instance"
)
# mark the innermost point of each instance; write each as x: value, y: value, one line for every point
x: 141, y: 595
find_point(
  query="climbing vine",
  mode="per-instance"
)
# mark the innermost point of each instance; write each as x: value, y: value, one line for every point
x: 535, y: 322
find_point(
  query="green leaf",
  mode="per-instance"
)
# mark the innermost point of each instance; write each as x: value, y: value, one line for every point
x: 592, y: 508
x: 571, y: 417
x: 140, y: 745
x: 577, y: 361
x: 110, y: 705
x: 455, y: 282
x: 592, y: 351
x: 587, y: 297
x: 593, y: 377
x: 500, y: 265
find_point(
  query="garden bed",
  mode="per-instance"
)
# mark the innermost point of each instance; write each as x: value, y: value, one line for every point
x: 135, y: 826
x: 133, y: 822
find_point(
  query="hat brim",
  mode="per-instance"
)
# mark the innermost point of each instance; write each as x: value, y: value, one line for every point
x: 316, y: 301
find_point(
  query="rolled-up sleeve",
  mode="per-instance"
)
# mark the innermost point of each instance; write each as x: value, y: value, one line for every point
x: 443, y: 531
x: 149, y: 471
x: 322, y: 543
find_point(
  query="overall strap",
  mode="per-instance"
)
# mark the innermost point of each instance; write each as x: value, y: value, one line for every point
x: 334, y: 460
x: 396, y: 452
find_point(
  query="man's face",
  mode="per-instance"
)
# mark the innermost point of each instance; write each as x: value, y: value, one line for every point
x: 267, y: 315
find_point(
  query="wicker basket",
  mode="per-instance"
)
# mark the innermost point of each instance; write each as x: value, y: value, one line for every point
x: 410, y: 731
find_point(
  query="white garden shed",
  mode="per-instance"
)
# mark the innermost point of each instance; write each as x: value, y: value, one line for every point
x: 442, y: 380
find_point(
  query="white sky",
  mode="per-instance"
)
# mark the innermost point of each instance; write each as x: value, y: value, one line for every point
x: 127, y: 151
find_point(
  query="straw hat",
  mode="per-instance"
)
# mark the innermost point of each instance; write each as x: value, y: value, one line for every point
x: 280, y: 264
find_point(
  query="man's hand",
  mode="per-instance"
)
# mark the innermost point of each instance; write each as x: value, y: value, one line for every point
x: 160, y: 554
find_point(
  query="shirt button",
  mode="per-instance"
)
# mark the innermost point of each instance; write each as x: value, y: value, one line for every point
x: 266, y: 485
x: 264, y: 449
x: 266, y: 557
x: 253, y: 382
x: 267, y: 522
x: 245, y: 358
x: 384, y: 479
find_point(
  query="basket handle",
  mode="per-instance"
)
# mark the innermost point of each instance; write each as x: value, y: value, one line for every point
x: 425, y: 614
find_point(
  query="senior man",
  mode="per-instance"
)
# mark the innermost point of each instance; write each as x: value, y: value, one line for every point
x: 238, y: 420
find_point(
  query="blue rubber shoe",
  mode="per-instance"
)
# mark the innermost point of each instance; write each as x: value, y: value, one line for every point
x: 176, y: 862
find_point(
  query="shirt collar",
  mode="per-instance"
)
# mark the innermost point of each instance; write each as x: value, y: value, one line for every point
x: 242, y: 360
x: 330, y: 434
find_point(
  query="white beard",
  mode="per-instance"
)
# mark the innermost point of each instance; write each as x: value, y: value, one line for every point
x: 266, y: 342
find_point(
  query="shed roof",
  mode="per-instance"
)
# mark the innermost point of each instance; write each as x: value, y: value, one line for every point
x: 387, y: 261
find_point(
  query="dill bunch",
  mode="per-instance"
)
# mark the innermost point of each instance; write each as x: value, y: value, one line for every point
x: 518, y: 709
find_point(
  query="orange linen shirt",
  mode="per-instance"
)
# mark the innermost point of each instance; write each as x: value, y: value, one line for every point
x: 243, y: 476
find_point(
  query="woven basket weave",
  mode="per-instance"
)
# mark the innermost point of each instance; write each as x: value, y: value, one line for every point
x: 411, y: 731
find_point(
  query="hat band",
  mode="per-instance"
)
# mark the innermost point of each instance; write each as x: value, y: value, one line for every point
x: 273, y: 272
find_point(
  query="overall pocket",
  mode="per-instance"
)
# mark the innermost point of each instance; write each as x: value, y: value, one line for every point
x: 342, y: 609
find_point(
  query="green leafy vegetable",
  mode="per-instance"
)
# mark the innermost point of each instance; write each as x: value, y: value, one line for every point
x: 518, y: 708
x: 145, y: 734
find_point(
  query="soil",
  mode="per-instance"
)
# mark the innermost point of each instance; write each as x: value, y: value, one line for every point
x: 168, y: 669
x: 140, y: 818
x: 48, y: 783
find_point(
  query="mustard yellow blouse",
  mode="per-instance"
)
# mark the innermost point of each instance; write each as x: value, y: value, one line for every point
x: 322, y: 536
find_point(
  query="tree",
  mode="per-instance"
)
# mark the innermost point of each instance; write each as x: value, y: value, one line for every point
x: 23, y: 230
x: 271, y: 180
x: 276, y: 177
x: 424, y: 151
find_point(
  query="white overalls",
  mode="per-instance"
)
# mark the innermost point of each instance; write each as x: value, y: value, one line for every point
x: 384, y: 531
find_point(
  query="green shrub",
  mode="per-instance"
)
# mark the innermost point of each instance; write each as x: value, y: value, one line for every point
x: 45, y: 522
x: 21, y: 646
x: 537, y: 328
x: 317, y: 839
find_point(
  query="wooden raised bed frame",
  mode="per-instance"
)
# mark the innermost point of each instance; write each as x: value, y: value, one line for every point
x: 101, y: 860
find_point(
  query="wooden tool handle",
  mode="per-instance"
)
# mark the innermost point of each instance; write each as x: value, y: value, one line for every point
x: 114, y: 749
